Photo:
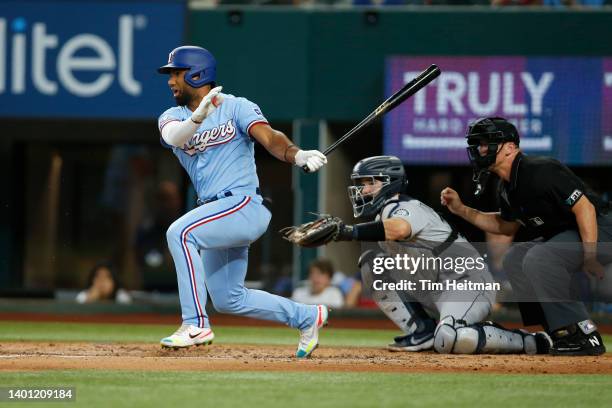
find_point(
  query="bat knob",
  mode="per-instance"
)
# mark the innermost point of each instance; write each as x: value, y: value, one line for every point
x: 306, y: 169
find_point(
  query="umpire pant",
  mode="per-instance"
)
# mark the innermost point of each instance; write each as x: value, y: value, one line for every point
x: 541, y: 274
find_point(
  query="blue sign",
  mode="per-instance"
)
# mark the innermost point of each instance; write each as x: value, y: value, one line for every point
x: 86, y: 59
x: 561, y: 106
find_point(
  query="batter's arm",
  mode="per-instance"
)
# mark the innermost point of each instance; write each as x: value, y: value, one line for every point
x: 275, y: 142
x: 177, y: 133
x: 279, y: 146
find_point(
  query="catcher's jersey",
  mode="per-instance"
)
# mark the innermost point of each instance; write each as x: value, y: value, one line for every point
x: 220, y: 155
x: 428, y: 228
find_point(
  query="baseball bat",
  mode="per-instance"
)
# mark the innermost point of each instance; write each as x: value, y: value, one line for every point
x: 389, y: 104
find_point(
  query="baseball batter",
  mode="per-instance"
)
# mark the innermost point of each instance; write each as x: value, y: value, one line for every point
x: 213, y: 135
x: 451, y: 321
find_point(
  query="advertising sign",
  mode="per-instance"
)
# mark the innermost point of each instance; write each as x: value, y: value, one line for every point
x: 562, y: 107
x: 86, y: 59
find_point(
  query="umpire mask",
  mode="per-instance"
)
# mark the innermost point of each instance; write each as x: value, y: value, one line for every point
x: 375, y: 180
x: 489, y: 132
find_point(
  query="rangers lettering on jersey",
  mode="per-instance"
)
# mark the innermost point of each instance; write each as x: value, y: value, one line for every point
x: 211, y: 137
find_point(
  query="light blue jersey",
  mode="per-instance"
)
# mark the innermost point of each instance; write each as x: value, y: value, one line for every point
x: 220, y: 155
x: 210, y: 243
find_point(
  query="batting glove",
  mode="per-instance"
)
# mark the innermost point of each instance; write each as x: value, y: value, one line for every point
x: 313, y: 159
x: 208, y: 105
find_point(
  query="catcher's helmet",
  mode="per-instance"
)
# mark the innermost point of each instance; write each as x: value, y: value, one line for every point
x: 491, y: 131
x: 387, y: 169
x: 198, y: 62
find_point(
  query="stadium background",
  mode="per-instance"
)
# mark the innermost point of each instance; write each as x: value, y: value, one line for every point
x: 70, y: 161
x: 84, y: 175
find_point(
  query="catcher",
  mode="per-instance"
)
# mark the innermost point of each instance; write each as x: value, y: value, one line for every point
x: 450, y: 321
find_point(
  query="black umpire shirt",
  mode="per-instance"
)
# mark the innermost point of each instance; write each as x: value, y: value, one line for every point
x: 540, y: 196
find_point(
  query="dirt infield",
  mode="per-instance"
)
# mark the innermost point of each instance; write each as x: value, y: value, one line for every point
x: 32, y: 356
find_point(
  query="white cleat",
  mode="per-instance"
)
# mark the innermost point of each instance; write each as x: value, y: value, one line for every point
x: 188, y: 335
x: 309, y: 338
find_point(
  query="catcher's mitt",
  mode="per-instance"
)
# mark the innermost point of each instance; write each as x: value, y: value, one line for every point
x: 315, y: 233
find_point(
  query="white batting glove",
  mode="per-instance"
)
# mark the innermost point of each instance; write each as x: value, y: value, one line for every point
x: 314, y: 159
x: 209, y: 103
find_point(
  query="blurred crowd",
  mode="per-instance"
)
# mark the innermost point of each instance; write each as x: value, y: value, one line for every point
x: 542, y: 3
x: 327, y: 286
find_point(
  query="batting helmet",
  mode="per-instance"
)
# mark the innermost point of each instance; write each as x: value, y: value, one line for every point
x: 387, y: 169
x: 200, y: 64
x: 491, y: 131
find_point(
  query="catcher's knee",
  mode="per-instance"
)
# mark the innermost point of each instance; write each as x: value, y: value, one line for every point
x: 444, y: 339
x: 453, y: 336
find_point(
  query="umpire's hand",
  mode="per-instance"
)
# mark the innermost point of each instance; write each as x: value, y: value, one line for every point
x: 592, y: 267
x: 450, y: 199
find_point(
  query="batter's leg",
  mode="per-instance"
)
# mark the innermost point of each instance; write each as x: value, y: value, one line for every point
x: 189, y: 270
x: 225, y: 223
x: 225, y: 271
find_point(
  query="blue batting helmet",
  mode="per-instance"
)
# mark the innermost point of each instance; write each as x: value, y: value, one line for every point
x: 200, y: 64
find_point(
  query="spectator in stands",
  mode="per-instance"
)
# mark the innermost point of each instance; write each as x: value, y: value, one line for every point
x: 516, y: 2
x: 320, y: 289
x: 350, y: 286
x: 574, y: 3
x: 103, y: 284
x: 419, y: 2
x: 283, y: 286
x: 388, y: 2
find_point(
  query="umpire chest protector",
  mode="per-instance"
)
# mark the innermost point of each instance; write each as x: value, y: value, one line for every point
x: 540, y: 195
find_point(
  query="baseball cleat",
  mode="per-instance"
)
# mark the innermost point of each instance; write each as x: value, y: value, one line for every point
x: 309, y: 337
x: 188, y: 335
x: 413, y: 342
x: 581, y: 339
x: 543, y: 342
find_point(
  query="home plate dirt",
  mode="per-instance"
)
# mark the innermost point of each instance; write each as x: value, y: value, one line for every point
x: 24, y: 356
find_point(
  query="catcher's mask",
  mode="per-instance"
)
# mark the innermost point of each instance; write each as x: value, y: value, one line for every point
x: 491, y: 132
x: 382, y: 177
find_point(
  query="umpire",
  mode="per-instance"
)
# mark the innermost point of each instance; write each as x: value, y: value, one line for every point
x: 551, y: 203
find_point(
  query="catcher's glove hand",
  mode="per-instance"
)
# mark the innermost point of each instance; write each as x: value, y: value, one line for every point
x: 318, y: 232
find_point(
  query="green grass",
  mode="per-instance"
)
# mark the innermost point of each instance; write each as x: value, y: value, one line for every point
x: 147, y: 333
x: 273, y: 389
x: 100, y: 388
x: 127, y: 333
